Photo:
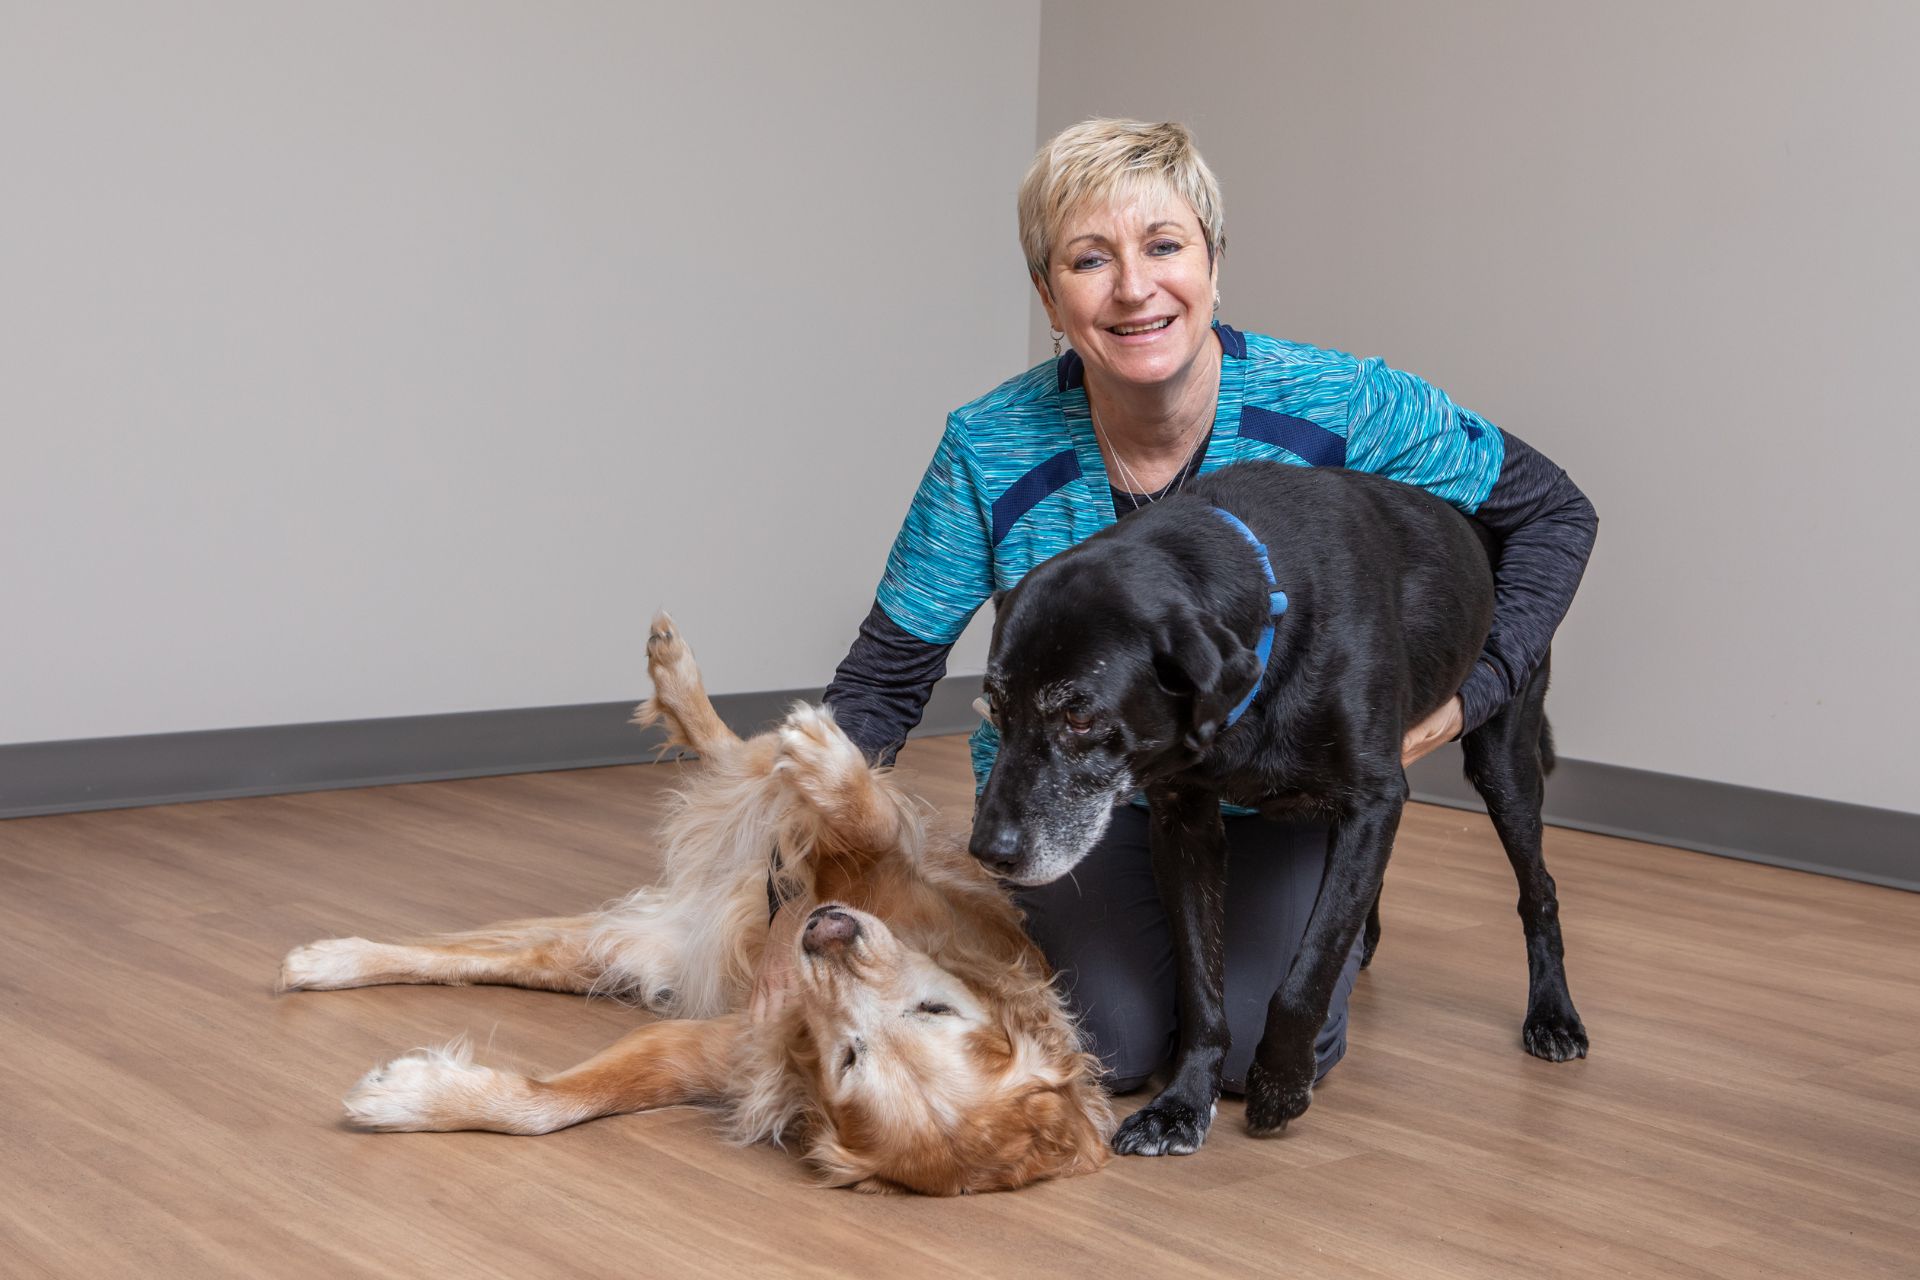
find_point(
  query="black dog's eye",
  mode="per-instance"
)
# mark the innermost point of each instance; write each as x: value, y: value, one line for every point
x: 933, y: 1008
x: 1078, y: 722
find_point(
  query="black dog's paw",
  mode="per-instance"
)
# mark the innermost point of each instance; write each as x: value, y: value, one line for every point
x: 1556, y: 1035
x: 1272, y: 1100
x: 1164, y: 1127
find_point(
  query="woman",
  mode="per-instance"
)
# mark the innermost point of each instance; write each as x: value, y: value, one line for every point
x: 1122, y: 229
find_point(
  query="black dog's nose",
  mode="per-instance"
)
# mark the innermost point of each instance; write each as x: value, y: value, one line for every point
x: 997, y: 846
x: 828, y: 928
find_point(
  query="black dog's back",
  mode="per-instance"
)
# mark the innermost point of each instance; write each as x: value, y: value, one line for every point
x: 1365, y: 530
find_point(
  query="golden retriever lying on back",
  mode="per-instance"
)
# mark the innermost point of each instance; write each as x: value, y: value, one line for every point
x: 894, y: 1022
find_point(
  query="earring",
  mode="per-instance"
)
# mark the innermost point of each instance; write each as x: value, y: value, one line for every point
x: 1058, y: 334
x: 1216, y: 306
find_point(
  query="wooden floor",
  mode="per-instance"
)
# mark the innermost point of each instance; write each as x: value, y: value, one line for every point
x: 1751, y: 1108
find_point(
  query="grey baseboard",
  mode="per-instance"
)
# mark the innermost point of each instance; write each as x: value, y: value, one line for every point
x: 1881, y: 846
x: 170, y: 768
x: 1856, y: 842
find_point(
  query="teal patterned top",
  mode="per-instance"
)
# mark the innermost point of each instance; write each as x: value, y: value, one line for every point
x: 1018, y: 475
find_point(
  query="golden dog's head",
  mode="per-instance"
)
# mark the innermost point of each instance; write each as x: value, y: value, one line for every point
x: 939, y: 1078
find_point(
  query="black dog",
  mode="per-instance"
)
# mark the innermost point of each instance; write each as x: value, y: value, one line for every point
x: 1124, y: 662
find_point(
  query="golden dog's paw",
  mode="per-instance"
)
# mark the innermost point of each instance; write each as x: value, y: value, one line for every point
x: 326, y: 965
x: 677, y: 690
x: 663, y: 640
x: 669, y: 660
x: 818, y: 760
x: 431, y: 1089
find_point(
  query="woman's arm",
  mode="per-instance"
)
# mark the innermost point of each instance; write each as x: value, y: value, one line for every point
x: 883, y: 685
x: 939, y: 573
x: 1546, y: 528
x: 1403, y: 427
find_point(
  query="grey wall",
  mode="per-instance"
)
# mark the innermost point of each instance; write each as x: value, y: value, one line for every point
x: 1670, y: 244
x: 376, y: 359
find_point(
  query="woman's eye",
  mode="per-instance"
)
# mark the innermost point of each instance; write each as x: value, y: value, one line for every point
x: 933, y: 1008
x: 1164, y: 247
x: 1087, y: 262
x: 1079, y: 722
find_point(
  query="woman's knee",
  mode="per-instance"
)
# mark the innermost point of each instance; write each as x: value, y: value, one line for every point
x: 1132, y: 1038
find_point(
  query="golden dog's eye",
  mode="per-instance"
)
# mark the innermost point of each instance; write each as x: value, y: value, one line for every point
x: 933, y: 1008
x: 852, y: 1056
x: 1079, y: 722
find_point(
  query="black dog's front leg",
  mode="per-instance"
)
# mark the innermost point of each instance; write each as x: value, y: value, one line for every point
x: 1280, y: 1081
x: 1190, y: 873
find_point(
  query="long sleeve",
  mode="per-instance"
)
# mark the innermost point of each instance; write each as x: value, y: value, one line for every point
x: 1547, y: 528
x: 1403, y: 427
x: 938, y: 574
x: 883, y: 684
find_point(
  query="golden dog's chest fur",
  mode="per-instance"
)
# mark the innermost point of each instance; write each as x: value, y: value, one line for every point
x: 904, y: 1035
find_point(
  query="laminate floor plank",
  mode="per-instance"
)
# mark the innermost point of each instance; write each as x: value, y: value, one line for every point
x: 1751, y: 1107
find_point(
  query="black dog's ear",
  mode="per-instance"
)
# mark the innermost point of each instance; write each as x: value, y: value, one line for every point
x: 1209, y: 668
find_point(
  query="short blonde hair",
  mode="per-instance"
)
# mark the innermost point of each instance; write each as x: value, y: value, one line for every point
x: 1103, y: 160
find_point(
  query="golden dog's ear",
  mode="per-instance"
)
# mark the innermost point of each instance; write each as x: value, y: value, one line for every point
x: 878, y: 1186
x: 919, y: 1167
x: 1053, y: 1131
x: 1077, y: 1139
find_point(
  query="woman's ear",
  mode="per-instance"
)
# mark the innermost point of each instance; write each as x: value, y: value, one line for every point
x: 1046, y: 298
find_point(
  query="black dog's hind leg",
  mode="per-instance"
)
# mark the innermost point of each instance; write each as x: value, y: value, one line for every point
x: 1506, y: 762
x: 1372, y: 943
x: 1280, y: 1081
x: 1190, y: 874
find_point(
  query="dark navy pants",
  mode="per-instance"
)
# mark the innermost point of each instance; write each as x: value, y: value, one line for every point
x: 1105, y: 933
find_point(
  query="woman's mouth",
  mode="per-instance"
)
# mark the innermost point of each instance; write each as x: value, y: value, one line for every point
x: 1139, y: 330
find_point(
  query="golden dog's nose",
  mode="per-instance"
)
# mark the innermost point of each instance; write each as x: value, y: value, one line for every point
x: 829, y: 928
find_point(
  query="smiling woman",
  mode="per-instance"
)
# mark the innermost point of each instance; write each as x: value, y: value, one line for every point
x: 1123, y: 231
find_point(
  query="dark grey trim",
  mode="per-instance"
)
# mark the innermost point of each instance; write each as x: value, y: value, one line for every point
x: 1853, y: 841
x: 1881, y: 846
x: 218, y: 764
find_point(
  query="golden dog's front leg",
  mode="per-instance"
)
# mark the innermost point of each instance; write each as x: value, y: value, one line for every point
x: 663, y: 1064
x: 546, y: 955
x: 857, y: 809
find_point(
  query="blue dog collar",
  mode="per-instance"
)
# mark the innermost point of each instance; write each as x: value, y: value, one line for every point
x: 1276, y: 598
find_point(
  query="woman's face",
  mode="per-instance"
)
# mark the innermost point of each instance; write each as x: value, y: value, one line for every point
x: 1131, y: 286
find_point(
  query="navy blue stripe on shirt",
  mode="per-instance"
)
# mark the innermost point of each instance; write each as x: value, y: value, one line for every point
x: 1026, y: 493
x: 1068, y: 370
x: 1313, y: 443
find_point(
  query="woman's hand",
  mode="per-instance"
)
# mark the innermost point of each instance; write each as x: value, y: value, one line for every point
x: 1442, y: 726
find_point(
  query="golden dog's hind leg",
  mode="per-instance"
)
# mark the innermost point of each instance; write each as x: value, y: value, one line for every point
x: 679, y: 702
x: 546, y: 955
x: 660, y: 1065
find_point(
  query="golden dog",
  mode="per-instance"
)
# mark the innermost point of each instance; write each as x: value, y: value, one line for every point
x: 894, y: 1023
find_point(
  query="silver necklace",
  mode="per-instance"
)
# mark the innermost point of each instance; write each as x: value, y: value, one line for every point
x: 1135, y: 490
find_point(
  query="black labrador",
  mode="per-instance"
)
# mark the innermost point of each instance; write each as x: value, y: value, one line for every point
x: 1125, y: 663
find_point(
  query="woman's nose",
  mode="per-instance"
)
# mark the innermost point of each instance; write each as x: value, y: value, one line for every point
x: 1133, y: 281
